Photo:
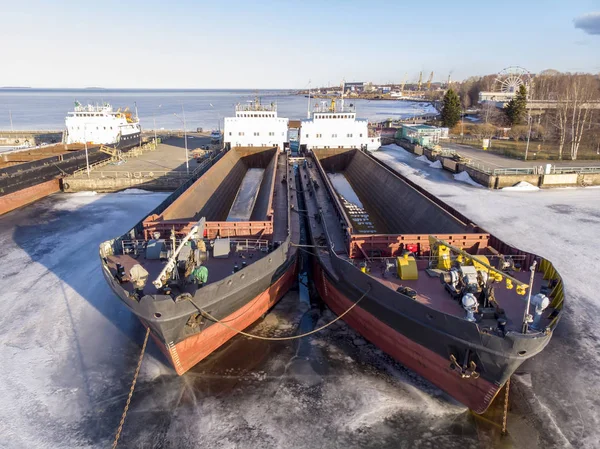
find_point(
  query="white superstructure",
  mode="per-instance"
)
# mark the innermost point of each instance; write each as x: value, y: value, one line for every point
x: 255, y: 125
x: 100, y: 124
x: 336, y: 126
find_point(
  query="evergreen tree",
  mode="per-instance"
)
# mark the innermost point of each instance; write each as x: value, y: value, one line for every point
x: 515, y: 109
x: 451, y: 109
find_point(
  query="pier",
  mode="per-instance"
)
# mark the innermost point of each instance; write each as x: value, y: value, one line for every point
x: 495, y: 172
x: 160, y: 168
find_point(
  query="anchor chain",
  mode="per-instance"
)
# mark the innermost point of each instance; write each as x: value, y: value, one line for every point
x: 135, y: 376
x: 505, y: 415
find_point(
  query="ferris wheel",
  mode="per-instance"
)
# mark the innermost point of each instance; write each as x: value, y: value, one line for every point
x: 511, y: 78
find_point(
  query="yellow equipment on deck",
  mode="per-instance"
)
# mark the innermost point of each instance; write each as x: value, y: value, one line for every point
x: 407, y: 268
x: 480, y: 262
x: 442, y: 253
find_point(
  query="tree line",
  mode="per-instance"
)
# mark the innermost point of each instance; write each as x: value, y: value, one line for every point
x: 571, y: 121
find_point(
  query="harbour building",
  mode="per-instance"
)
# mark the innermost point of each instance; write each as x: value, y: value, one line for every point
x: 423, y: 135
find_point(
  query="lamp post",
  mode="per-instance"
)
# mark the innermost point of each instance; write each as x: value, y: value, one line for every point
x: 87, y: 161
x: 154, y: 119
x: 528, y: 135
x: 187, y: 164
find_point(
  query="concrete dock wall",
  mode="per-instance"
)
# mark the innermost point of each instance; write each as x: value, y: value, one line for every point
x: 106, y: 185
x: 30, y: 138
x: 498, y: 181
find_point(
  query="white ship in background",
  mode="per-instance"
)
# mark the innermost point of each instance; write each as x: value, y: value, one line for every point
x: 336, y: 126
x: 256, y: 125
x: 101, y: 125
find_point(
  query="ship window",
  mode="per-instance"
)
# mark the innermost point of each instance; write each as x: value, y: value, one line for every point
x: 230, y: 133
x: 349, y: 135
x: 334, y: 135
x: 257, y: 134
x: 307, y: 135
x: 361, y: 135
x: 271, y: 133
x: 240, y: 133
x: 105, y: 127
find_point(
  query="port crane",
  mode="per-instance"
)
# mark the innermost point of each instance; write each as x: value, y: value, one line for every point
x: 420, y: 80
x: 403, y: 83
x: 429, y: 81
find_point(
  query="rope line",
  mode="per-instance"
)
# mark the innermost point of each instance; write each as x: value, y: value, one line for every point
x: 291, y: 337
x: 135, y: 376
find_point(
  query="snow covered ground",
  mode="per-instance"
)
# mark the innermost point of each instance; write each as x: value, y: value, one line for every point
x: 69, y: 349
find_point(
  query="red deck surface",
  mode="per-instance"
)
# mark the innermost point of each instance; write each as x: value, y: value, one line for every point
x: 217, y: 268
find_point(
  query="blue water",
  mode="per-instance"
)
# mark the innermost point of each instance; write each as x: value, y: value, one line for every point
x: 46, y: 109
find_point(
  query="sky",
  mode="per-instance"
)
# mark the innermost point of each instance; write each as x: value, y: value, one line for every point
x: 285, y: 44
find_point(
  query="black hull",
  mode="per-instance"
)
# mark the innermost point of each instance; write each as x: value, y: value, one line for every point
x: 22, y: 176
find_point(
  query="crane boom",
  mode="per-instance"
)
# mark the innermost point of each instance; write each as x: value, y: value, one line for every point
x: 429, y: 81
x: 403, y: 82
x: 420, y: 80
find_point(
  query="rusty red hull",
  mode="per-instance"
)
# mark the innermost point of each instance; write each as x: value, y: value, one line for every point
x: 476, y: 394
x: 187, y: 353
x: 28, y: 195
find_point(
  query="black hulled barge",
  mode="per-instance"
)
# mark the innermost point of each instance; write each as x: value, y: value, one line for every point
x: 221, y: 249
x: 438, y: 293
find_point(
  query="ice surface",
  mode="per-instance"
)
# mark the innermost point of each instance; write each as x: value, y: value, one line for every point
x: 436, y: 164
x: 424, y: 158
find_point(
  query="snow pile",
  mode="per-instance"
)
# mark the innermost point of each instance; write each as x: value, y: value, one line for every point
x: 522, y: 186
x: 84, y: 193
x: 436, y: 164
x: 133, y: 192
x: 424, y: 158
x: 463, y: 176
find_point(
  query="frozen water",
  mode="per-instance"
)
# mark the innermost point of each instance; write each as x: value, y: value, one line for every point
x: 424, y: 158
x: 436, y: 164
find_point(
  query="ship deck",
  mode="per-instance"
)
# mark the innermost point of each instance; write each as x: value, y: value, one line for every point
x: 242, y: 249
x: 218, y: 269
x: 431, y: 292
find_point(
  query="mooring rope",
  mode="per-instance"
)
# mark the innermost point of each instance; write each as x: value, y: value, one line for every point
x: 291, y: 337
x: 135, y: 376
